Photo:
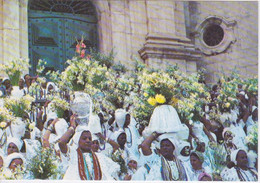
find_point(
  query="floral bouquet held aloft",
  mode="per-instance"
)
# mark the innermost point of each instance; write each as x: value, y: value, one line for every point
x: 19, y: 107
x: 14, y: 69
x: 59, y: 106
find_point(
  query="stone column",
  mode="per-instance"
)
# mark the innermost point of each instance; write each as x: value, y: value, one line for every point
x: 120, y: 30
x: 104, y: 25
x: 1, y: 32
x: 24, y: 52
x: 166, y: 41
x: 11, y: 32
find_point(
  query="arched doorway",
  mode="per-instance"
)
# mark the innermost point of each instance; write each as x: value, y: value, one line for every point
x: 54, y: 28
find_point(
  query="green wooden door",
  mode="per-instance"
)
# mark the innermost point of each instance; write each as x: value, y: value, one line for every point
x: 53, y: 37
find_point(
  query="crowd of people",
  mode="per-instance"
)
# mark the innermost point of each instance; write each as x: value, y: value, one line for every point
x: 93, y: 147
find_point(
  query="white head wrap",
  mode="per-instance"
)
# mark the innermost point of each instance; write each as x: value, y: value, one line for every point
x: 94, y: 126
x: 180, y: 145
x: 4, y: 79
x: 11, y: 157
x: 79, y: 130
x: 233, y: 155
x: 50, y: 115
x: 16, y: 141
x: 55, y: 88
x: 116, y: 134
x: 82, y: 106
x: 168, y: 136
x: 61, y: 127
x: 253, y: 108
x: 120, y: 115
x: 225, y: 130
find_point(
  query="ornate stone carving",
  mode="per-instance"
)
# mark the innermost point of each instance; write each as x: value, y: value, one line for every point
x: 171, y: 47
x: 214, y: 35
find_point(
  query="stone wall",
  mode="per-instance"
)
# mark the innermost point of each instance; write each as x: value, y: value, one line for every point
x: 243, y: 53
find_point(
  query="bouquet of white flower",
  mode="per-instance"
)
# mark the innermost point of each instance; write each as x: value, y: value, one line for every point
x: 14, y: 69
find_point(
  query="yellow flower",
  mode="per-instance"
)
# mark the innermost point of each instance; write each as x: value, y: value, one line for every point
x: 227, y: 105
x: 31, y: 126
x: 151, y: 101
x: 174, y: 100
x: 160, y: 98
x: 146, y: 94
x: 3, y: 124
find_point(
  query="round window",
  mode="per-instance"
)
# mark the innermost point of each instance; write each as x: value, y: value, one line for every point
x: 213, y: 35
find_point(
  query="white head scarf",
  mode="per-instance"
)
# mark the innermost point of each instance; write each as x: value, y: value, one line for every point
x: 55, y: 88
x: 16, y: 141
x: 116, y: 134
x: 11, y: 157
x: 4, y: 79
x: 226, y: 130
x: 61, y: 127
x: 79, y: 130
x: 168, y: 136
x: 180, y: 145
x: 233, y: 155
x: 120, y: 115
x: 50, y: 115
x: 94, y: 126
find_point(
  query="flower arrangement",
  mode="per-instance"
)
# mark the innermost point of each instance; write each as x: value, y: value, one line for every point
x: 252, y: 138
x: 40, y: 67
x: 19, y: 107
x: 158, y: 87
x: 17, y: 174
x: 252, y: 86
x: 5, y: 116
x: 218, y: 163
x: 44, y: 165
x: 117, y: 157
x: 59, y: 106
x: 14, y: 69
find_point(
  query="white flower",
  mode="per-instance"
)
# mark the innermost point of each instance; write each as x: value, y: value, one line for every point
x: 3, y: 124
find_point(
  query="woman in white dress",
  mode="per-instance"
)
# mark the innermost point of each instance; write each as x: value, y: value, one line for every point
x: 196, y: 161
x: 168, y: 167
x: 240, y: 170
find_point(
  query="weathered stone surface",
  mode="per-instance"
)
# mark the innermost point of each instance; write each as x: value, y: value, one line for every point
x: 11, y: 14
x: 11, y: 45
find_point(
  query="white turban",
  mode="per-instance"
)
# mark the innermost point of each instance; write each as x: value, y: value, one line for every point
x: 233, y: 155
x: 120, y: 115
x: 50, y: 116
x: 79, y: 130
x: 16, y: 141
x: 226, y: 130
x: 4, y: 79
x: 94, y: 126
x: 55, y: 88
x: 61, y: 127
x: 168, y: 136
x: 116, y: 134
x: 180, y: 145
x: 11, y: 157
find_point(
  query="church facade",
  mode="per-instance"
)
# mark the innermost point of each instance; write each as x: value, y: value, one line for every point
x: 217, y: 36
